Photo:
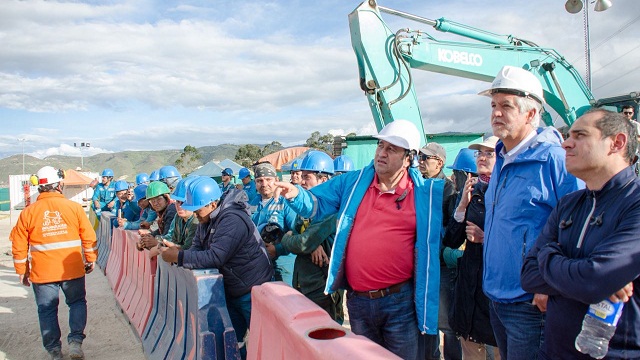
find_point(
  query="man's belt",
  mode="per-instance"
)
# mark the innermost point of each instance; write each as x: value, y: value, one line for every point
x: 380, y: 293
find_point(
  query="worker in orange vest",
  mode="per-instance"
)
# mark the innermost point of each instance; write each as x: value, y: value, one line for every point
x: 62, y: 243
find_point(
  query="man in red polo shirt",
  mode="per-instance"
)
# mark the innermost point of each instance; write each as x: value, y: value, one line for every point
x: 387, y: 241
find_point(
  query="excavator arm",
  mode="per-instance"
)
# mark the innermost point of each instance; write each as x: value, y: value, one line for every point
x: 386, y: 59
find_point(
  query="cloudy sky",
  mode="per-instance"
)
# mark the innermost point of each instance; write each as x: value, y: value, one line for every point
x: 148, y: 74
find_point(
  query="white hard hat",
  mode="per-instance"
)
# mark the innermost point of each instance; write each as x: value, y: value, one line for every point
x: 47, y: 175
x: 402, y: 133
x: 516, y: 81
x: 489, y: 142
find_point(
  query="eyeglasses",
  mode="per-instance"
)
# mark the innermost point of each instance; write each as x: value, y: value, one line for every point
x: 487, y: 154
x: 424, y: 157
x: 628, y: 112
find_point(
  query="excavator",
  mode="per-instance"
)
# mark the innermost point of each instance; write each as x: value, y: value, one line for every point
x: 386, y: 60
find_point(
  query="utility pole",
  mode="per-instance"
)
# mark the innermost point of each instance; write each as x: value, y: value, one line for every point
x: 22, y: 141
x: 82, y: 145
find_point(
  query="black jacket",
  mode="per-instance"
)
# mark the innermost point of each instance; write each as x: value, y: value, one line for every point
x: 230, y: 243
x: 469, y: 314
x: 164, y: 219
x: 588, y: 250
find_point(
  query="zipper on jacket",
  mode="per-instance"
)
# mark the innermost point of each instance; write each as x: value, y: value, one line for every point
x: 586, y: 223
x: 496, y: 195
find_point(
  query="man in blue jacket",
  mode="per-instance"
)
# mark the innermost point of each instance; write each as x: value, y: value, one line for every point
x: 104, y: 194
x: 386, y: 249
x: 273, y: 209
x: 528, y: 180
x: 589, y: 249
x: 248, y: 185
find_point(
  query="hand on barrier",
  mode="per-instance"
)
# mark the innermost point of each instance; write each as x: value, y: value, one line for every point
x: 154, y: 252
x: 168, y: 243
x: 170, y: 254
x: 145, y: 225
x: 149, y: 241
x: 121, y: 222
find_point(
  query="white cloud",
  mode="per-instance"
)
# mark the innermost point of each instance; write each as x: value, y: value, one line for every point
x: 68, y: 150
x: 148, y: 75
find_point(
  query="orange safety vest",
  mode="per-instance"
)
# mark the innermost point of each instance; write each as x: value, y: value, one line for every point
x: 56, y: 232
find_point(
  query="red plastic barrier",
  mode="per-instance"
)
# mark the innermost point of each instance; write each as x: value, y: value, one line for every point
x: 287, y: 325
x: 142, y: 298
x: 134, y: 292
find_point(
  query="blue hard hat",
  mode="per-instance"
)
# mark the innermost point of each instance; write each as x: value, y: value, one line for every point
x: 121, y: 185
x: 201, y: 192
x: 154, y: 176
x: 180, y: 192
x: 168, y: 172
x: 142, y: 178
x: 465, y: 161
x: 317, y: 161
x: 243, y: 173
x: 140, y: 192
x: 295, y: 164
x: 107, y: 172
x: 343, y: 163
x: 227, y: 171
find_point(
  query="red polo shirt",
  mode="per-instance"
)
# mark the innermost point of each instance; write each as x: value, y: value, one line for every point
x: 380, y: 251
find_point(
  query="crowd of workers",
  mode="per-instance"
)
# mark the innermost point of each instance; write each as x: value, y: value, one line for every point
x: 512, y: 249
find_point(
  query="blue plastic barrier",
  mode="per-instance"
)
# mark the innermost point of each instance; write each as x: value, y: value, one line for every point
x: 189, y: 319
x: 104, y: 240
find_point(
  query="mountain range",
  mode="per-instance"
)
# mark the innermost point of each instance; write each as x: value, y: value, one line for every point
x: 124, y: 163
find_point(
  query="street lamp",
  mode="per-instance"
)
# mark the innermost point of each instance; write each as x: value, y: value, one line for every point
x: 22, y: 140
x: 81, y: 145
x: 574, y: 7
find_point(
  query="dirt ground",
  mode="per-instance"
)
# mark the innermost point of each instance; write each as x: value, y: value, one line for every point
x: 109, y: 335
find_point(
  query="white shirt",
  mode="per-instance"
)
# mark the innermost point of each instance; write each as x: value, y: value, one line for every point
x: 510, y: 156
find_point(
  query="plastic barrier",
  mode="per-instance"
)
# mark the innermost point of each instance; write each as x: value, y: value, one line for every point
x: 116, y: 259
x: 142, y: 298
x: 287, y: 325
x: 189, y: 318
x: 131, y: 275
x: 93, y: 219
x: 104, y: 240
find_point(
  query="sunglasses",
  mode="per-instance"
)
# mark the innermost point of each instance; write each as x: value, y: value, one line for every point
x: 424, y: 157
x: 628, y: 112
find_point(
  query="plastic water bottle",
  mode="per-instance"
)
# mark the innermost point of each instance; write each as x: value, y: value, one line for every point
x: 598, y: 327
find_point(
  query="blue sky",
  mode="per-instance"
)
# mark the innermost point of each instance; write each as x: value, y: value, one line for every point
x: 147, y: 75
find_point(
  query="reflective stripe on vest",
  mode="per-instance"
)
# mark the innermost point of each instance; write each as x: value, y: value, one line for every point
x: 90, y: 249
x: 16, y: 261
x: 56, y: 246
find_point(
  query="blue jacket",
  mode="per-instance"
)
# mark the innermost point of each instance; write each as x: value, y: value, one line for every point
x: 230, y: 242
x: 104, y: 195
x: 343, y: 194
x: 147, y: 214
x: 576, y: 273
x: 275, y: 211
x: 130, y: 211
x: 519, y: 199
